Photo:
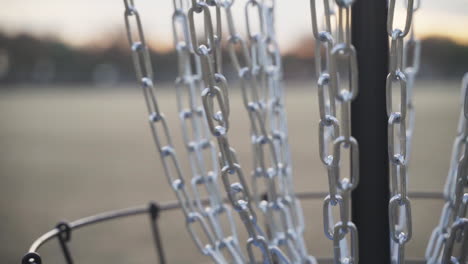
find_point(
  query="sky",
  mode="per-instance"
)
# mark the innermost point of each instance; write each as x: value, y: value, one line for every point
x: 80, y: 22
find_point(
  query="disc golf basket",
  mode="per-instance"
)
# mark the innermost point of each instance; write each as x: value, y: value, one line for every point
x: 351, y: 55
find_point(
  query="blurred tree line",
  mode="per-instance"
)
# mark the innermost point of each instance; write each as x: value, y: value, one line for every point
x: 28, y: 59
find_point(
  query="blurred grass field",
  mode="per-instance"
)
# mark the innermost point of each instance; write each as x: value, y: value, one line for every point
x: 70, y: 153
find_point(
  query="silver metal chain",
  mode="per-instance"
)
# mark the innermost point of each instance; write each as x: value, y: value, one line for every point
x: 257, y: 61
x: 450, y: 237
x: 260, y: 75
x: 336, y: 59
x: 214, y: 96
x: 212, y: 239
x: 200, y: 66
x: 400, y: 125
x: 197, y: 138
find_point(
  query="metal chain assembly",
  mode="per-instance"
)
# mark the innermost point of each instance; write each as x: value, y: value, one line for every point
x: 198, y: 140
x: 205, y: 125
x: 337, y: 73
x: 212, y: 239
x: 200, y: 71
x: 261, y: 85
x: 263, y: 97
x: 449, y: 240
x: 400, y: 124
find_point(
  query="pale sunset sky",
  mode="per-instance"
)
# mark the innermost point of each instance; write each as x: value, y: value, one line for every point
x: 81, y: 22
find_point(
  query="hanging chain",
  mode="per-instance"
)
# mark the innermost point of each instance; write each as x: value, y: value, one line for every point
x: 258, y: 63
x: 197, y: 138
x: 334, y: 53
x: 400, y: 117
x: 451, y: 234
x: 196, y: 142
x: 218, y: 122
x: 200, y: 66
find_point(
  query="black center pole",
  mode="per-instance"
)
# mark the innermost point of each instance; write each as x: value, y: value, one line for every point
x: 369, y: 127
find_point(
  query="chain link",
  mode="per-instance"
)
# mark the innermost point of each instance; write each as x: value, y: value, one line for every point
x: 400, y: 124
x: 189, y: 82
x: 334, y: 53
x: 258, y: 63
x: 258, y: 79
x: 196, y: 137
x: 451, y: 234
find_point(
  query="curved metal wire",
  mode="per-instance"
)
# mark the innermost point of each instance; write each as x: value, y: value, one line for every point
x: 32, y: 257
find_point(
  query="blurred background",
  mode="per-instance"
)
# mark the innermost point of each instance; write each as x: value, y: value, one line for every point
x: 74, y: 139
